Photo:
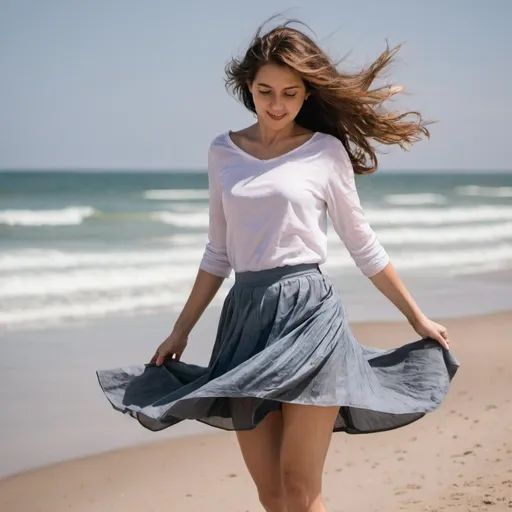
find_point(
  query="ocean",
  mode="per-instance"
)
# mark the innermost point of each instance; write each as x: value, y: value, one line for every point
x: 79, y: 246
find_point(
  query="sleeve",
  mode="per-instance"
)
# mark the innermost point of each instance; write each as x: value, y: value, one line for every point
x: 348, y: 218
x: 215, y: 259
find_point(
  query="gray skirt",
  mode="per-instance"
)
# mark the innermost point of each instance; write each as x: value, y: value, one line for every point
x: 283, y: 337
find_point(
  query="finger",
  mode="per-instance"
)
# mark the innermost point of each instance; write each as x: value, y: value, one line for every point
x: 443, y: 341
x: 160, y: 359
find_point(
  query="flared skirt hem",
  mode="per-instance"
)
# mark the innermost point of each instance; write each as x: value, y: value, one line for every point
x: 283, y: 340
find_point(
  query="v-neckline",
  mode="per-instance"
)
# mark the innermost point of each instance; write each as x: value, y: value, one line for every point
x: 266, y: 160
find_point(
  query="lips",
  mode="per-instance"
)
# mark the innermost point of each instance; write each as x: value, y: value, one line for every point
x: 276, y: 117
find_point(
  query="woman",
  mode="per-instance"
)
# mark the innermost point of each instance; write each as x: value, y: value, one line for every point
x: 285, y: 370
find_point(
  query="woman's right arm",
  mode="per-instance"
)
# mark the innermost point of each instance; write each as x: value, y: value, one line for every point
x: 213, y: 269
x: 205, y: 288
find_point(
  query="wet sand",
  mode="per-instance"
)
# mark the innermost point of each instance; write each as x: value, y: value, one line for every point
x: 458, y: 458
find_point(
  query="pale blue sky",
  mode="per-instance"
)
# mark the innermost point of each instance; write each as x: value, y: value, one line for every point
x: 139, y: 84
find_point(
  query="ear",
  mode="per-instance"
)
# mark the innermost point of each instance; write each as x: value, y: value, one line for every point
x: 249, y: 86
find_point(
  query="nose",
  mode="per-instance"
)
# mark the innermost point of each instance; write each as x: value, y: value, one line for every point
x: 276, y: 106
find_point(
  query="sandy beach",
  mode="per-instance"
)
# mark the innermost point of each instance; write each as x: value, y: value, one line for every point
x: 458, y: 458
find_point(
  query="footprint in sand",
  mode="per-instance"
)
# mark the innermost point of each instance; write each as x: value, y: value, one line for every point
x: 410, y: 501
x: 465, y: 454
x: 408, y: 487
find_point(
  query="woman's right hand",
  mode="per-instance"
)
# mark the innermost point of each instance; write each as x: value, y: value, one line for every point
x: 173, y: 347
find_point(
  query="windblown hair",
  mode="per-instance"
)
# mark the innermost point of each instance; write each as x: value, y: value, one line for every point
x: 340, y: 104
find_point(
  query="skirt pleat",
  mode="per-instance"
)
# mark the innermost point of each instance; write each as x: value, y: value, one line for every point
x: 283, y: 337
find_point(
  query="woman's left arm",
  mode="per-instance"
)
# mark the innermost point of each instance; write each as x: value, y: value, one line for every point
x: 388, y: 282
x: 354, y: 230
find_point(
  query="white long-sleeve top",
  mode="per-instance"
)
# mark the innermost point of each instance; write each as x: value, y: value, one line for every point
x: 270, y: 213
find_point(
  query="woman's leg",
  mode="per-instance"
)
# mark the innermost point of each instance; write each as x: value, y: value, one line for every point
x: 260, y: 449
x: 307, y: 432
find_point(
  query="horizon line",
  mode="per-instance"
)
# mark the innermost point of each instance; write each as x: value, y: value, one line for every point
x: 96, y: 170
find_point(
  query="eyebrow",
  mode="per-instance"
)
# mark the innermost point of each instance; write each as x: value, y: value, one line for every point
x: 270, y: 87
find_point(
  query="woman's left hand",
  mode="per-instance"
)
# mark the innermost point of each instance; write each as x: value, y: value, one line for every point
x: 426, y: 328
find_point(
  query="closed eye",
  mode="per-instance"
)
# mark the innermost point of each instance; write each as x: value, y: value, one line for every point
x: 287, y: 94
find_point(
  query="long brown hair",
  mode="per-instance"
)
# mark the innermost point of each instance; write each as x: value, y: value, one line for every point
x: 340, y: 103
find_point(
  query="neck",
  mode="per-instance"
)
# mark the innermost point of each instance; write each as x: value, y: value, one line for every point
x: 268, y: 136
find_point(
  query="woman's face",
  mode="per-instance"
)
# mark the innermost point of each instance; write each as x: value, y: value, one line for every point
x: 278, y: 93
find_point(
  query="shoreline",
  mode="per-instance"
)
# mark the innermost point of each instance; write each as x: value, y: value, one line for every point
x: 460, y: 461
x: 367, y: 333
